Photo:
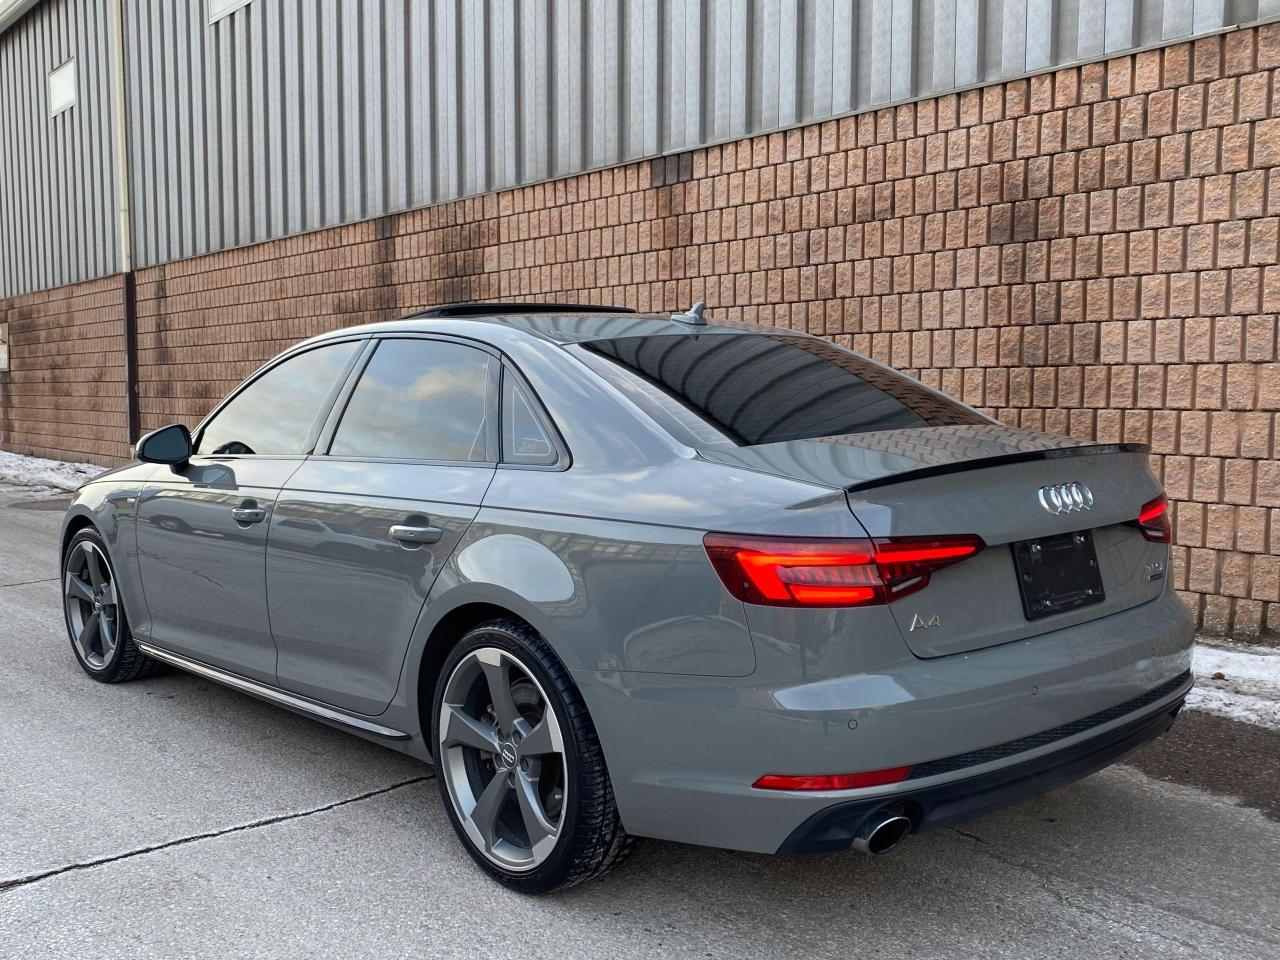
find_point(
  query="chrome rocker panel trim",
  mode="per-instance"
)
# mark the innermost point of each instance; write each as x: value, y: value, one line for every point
x: 272, y: 694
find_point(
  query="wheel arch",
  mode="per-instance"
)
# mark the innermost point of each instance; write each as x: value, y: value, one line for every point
x: 443, y: 637
x: 73, y: 524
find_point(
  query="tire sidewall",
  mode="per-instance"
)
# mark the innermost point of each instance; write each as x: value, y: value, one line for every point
x: 108, y: 669
x: 548, y: 873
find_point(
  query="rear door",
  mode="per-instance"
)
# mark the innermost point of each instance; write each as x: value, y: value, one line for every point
x: 362, y: 529
x: 202, y: 527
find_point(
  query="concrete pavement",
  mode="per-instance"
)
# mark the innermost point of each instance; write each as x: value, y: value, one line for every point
x: 171, y: 817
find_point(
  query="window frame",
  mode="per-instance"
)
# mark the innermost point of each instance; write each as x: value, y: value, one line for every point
x: 326, y: 405
x: 563, y: 458
x: 493, y: 404
x: 230, y: 7
x: 68, y: 64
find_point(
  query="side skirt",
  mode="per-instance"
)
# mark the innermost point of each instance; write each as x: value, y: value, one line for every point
x: 273, y: 694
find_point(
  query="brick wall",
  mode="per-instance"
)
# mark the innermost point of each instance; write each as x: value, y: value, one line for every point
x: 1092, y: 251
x: 63, y: 394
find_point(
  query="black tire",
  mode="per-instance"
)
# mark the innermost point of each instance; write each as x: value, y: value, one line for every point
x: 591, y: 840
x: 125, y: 661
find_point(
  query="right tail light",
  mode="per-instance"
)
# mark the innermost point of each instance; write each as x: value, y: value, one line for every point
x: 1154, y: 522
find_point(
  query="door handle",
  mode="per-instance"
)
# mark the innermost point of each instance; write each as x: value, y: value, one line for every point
x: 248, y: 514
x: 407, y: 534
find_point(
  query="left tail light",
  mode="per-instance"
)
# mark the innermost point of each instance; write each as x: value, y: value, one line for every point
x: 813, y: 572
x: 1154, y: 522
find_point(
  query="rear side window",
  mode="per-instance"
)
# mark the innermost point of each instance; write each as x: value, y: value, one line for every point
x: 276, y: 413
x: 524, y: 438
x: 748, y: 389
x: 420, y: 400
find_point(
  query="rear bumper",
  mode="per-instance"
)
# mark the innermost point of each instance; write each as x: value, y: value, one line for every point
x: 683, y: 752
x: 834, y: 828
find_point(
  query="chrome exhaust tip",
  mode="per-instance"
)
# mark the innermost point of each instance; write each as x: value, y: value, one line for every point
x: 882, y: 832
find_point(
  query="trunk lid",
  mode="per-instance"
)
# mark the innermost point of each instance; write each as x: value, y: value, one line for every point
x: 985, y: 480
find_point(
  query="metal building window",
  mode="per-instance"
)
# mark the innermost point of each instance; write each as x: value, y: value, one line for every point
x: 62, y: 88
x: 224, y: 8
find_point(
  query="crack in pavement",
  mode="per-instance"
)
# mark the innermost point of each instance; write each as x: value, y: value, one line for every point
x: 16, y: 882
x: 23, y: 583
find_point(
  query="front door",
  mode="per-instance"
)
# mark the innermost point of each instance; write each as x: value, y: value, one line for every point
x: 202, y: 527
x: 360, y: 531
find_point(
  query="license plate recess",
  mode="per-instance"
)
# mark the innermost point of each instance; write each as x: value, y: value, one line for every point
x: 1057, y: 573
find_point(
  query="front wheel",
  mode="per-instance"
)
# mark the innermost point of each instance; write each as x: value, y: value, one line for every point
x: 519, y: 764
x: 94, y: 611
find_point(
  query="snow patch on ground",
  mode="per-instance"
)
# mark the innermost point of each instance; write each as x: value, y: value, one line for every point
x: 44, y: 475
x: 1250, y: 688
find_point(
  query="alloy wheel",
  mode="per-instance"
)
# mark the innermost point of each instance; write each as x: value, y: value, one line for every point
x: 502, y: 756
x: 92, y: 604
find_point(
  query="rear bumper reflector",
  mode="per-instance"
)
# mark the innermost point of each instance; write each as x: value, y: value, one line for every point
x: 833, y: 781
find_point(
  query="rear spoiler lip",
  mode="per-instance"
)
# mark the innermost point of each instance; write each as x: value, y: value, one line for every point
x: 983, y: 463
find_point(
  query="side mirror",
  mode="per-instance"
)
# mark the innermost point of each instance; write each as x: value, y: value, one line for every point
x: 171, y: 445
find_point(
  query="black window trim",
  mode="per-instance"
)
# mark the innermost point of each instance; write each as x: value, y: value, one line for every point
x: 326, y: 405
x: 493, y: 404
x: 563, y: 458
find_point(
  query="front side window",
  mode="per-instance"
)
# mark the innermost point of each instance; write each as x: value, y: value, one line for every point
x: 747, y: 389
x: 276, y: 413
x: 420, y: 400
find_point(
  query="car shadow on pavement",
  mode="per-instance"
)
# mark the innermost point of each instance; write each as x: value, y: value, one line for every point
x: 290, y: 827
x: 1112, y: 848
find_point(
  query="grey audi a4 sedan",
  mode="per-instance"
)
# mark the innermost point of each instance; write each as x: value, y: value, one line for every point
x: 621, y: 576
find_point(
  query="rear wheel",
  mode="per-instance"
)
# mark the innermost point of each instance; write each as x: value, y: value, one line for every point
x: 519, y: 765
x: 96, y: 621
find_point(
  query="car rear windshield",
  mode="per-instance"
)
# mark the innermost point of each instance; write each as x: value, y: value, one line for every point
x: 751, y: 388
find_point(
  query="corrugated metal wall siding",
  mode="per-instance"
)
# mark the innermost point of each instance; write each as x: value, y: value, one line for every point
x: 57, y: 175
x: 290, y: 115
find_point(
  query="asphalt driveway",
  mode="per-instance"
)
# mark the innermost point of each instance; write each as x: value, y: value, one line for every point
x: 171, y: 817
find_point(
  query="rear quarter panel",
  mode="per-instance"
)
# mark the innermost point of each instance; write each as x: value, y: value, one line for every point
x: 609, y: 595
x: 645, y: 597
x: 608, y: 565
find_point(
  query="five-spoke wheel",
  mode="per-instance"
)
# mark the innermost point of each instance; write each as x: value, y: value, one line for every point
x: 502, y: 756
x: 519, y: 762
x: 93, y: 612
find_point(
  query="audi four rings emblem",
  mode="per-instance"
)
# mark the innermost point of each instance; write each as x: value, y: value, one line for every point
x: 1065, y: 497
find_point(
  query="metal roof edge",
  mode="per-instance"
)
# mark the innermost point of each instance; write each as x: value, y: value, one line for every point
x: 11, y: 11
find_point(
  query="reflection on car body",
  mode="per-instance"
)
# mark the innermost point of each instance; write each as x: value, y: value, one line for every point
x: 622, y: 576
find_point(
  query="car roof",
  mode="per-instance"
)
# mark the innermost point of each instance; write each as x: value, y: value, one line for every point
x: 559, y: 328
